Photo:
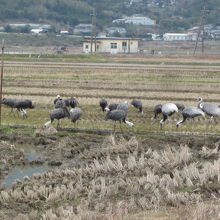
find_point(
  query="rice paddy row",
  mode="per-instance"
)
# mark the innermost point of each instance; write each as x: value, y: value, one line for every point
x: 41, y: 82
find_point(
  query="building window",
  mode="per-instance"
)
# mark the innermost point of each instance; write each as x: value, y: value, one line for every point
x: 113, y: 45
x: 87, y: 46
x: 124, y: 44
x: 97, y: 47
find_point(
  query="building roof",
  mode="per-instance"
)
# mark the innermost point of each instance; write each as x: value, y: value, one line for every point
x: 176, y: 34
x: 111, y: 38
x: 34, y: 26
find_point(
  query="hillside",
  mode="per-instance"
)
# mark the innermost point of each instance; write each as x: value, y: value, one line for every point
x: 170, y: 15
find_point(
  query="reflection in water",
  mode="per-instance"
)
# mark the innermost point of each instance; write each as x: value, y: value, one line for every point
x: 19, y: 172
x: 30, y: 152
x: 32, y: 156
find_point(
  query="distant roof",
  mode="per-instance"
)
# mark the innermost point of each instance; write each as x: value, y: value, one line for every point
x: 46, y: 26
x: 112, y: 38
x: 177, y: 34
x: 83, y: 25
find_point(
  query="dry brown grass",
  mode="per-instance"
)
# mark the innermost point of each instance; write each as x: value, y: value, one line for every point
x: 202, y: 211
x: 121, y: 180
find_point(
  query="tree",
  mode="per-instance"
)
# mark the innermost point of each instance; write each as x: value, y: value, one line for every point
x: 26, y: 29
x: 8, y: 28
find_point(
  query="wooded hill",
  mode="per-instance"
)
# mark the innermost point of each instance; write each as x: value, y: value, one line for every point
x: 170, y: 15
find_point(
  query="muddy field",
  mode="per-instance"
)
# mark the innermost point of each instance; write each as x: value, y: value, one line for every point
x: 110, y: 177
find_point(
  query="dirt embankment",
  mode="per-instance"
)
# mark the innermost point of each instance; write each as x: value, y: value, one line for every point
x: 96, y: 177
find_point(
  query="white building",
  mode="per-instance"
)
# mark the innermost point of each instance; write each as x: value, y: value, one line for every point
x: 116, y: 30
x: 64, y: 32
x: 83, y: 29
x: 32, y: 26
x: 37, y: 31
x: 179, y: 37
x: 135, y: 2
x: 136, y: 20
x: 110, y: 45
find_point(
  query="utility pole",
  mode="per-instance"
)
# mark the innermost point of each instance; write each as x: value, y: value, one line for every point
x: 94, y: 25
x: 93, y: 31
x: 2, y: 68
x: 201, y: 30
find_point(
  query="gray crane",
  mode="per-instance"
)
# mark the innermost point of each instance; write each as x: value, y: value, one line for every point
x: 180, y: 106
x: 168, y: 109
x: 137, y: 104
x: 60, y: 103
x: 21, y: 105
x: 117, y: 115
x: 57, y: 113
x: 158, y: 109
x: 57, y: 98
x: 9, y: 102
x: 75, y: 114
x: 211, y: 110
x: 111, y: 107
x: 190, y: 112
x: 123, y: 106
x: 103, y: 104
x: 71, y: 102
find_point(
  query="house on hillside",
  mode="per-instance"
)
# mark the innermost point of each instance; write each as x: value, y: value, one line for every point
x: 132, y: 2
x: 44, y: 27
x: 210, y: 31
x: 37, y: 31
x: 83, y: 29
x: 215, y: 34
x: 136, y: 20
x: 179, y: 36
x: 111, y: 45
x: 116, y: 31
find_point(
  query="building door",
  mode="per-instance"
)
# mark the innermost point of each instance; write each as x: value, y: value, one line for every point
x: 87, y: 48
x: 124, y: 47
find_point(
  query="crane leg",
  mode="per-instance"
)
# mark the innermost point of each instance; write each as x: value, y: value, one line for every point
x: 11, y: 111
x: 18, y: 111
x: 58, y: 123
x: 163, y: 120
x: 114, y: 126
x: 180, y: 122
x: 24, y: 113
x: 121, y: 128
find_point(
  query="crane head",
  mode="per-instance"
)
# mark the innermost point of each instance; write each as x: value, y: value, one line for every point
x: 200, y: 99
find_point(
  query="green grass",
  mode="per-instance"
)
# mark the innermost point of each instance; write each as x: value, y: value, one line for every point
x: 54, y: 58
x: 93, y: 118
x: 105, y: 59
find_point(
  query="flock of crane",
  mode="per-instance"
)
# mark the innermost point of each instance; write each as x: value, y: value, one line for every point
x: 115, y: 112
x: 166, y: 110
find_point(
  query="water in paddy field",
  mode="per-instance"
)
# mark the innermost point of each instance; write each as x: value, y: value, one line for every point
x: 30, y: 152
x: 19, y: 172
